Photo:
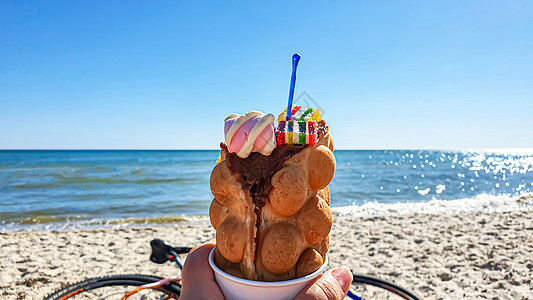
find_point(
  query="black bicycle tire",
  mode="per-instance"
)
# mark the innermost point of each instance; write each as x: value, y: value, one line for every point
x: 380, y: 283
x: 122, y: 279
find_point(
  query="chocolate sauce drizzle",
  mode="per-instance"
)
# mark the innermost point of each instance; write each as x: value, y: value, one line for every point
x: 256, y: 170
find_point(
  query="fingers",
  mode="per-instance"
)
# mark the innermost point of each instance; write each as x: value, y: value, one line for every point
x: 332, y: 285
x: 197, y: 261
x: 198, y: 279
x: 344, y: 278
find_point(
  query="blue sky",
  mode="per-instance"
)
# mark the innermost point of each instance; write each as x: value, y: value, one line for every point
x: 164, y: 75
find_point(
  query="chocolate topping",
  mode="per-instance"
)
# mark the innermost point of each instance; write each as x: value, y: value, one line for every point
x: 256, y: 170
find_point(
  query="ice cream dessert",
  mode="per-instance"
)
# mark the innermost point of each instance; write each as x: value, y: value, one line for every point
x: 271, y: 197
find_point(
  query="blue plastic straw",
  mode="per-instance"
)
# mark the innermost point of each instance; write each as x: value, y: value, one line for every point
x: 295, y: 60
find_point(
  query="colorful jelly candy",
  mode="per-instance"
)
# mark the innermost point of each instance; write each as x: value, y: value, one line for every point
x: 301, y: 129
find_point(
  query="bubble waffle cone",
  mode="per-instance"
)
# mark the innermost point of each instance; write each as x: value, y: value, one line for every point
x: 271, y: 213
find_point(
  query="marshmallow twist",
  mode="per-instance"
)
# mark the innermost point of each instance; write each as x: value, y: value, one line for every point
x: 251, y: 132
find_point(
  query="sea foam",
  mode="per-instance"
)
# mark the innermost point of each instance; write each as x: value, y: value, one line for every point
x: 480, y: 203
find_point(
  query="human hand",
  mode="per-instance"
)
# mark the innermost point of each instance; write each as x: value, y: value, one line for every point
x: 332, y: 285
x: 199, y: 280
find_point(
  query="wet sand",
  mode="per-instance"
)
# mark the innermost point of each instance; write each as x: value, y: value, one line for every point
x: 461, y: 256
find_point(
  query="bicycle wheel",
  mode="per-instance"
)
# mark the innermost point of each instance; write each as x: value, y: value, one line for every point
x: 374, y: 288
x: 114, y: 287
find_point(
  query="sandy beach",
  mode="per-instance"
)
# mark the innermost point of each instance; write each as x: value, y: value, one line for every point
x: 461, y: 256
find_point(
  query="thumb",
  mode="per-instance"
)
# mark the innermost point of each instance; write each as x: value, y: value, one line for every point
x: 198, y: 279
x: 332, y: 285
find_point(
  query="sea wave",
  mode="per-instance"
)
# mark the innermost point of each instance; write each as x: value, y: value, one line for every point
x: 480, y: 203
x: 49, y: 223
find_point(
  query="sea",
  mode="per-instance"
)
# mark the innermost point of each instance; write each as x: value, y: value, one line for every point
x: 64, y: 189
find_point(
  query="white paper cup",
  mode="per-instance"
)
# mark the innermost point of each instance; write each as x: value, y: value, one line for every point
x: 235, y: 288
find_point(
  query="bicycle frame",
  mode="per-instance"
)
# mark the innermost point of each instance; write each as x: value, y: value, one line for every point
x: 155, y: 285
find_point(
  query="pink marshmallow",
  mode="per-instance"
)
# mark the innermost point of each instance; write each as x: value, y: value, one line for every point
x: 264, y: 137
x: 241, y: 135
